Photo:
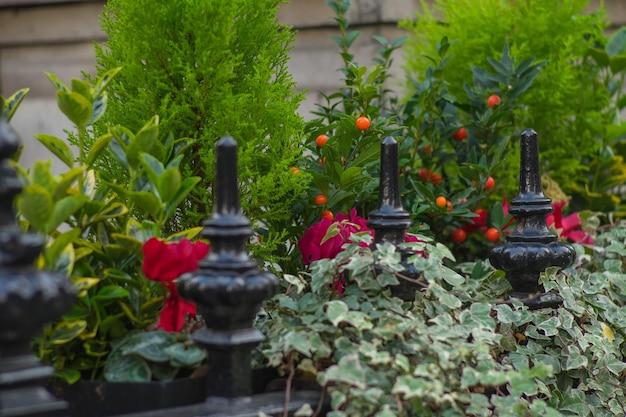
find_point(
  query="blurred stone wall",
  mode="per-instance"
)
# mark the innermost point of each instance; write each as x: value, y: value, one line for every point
x: 57, y: 36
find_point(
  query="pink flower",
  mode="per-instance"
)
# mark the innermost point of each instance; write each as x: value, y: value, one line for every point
x: 568, y: 226
x: 311, y: 245
x: 164, y: 262
x: 313, y: 249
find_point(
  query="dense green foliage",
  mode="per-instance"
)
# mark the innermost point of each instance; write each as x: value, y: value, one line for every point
x: 94, y: 229
x: 569, y: 104
x: 210, y: 69
x: 461, y: 347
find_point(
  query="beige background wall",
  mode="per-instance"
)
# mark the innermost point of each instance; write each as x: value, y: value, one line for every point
x: 59, y: 38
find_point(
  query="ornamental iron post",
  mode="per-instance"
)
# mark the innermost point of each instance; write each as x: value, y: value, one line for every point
x: 531, y: 247
x: 228, y: 287
x: 28, y: 299
x: 390, y: 220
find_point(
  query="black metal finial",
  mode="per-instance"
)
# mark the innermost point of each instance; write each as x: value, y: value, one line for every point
x: 390, y: 220
x: 228, y: 286
x: 531, y: 247
x: 28, y: 299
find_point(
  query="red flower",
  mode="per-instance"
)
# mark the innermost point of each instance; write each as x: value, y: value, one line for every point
x: 164, y: 262
x: 175, y: 310
x: 567, y: 226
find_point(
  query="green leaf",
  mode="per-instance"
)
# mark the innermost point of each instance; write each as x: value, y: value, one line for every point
x: 126, y: 368
x: 149, y: 345
x: 154, y: 168
x: 618, y: 63
x: 104, y: 81
x: 58, y: 84
x: 600, y: 56
x: 169, y: 183
x: 64, y: 263
x: 189, y: 356
x: 58, y: 148
x: 147, y: 201
x: 65, y: 332
x: 35, y: 204
x: 81, y: 87
x: 77, y: 108
x: 53, y: 251
x: 97, y: 148
x: 63, y: 210
x: 68, y: 375
x: 185, y: 188
x: 617, y: 42
x: 99, y: 107
x: 143, y: 141
x: 114, y: 210
x: 111, y: 292
x: 83, y: 284
x: 336, y: 311
x: 65, y: 181
x: 9, y: 105
x: 348, y: 370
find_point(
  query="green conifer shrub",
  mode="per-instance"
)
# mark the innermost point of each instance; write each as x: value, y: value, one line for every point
x: 209, y: 69
x: 568, y: 103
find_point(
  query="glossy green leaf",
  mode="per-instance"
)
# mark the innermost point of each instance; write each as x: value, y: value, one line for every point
x: 68, y: 375
x: 77, y: 108
x: 58, y: 84
x: 58, y: 147
x: 142, y: 141
x: 111, y: 292
x: 66, y: 180
x: 54, y: 249
x: 126, y: 368
x: 65, y: 332
x: 104, y: 81
x: 189, y: 356
x: 81, y: 87
x: 147, y: 201
x: 169, y: 183
x: 97, y: 148
x: 183, y: 191
x: 63, y: 211
x: 10, y: 104
x: 35, y: 204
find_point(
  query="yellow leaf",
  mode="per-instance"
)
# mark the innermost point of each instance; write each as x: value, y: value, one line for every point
x: 607, y: 332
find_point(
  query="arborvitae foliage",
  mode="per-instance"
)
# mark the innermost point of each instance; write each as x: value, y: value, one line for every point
x: 211, y: 68
x: 567, y: 102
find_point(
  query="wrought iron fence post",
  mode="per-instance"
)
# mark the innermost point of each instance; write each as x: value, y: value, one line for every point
x: 390, y: 220
x: 28, y: 299
x: 531, y: 247
x: 228, y: 287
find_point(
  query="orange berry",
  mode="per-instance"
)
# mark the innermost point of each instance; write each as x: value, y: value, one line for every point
x: 321, y: 199
x: 493, y: 101
x: 294, y: 170
x: 321, y: 140
x: 322, y: 161
x: 492, y: 234
x: 327, y: 214
x: 459, y: 235
x: 489, y: 183
x: 363, y: 123
x: 460, y: 134
x: 426, y: 150
x: 441, y: 201
x: 450, y: 206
